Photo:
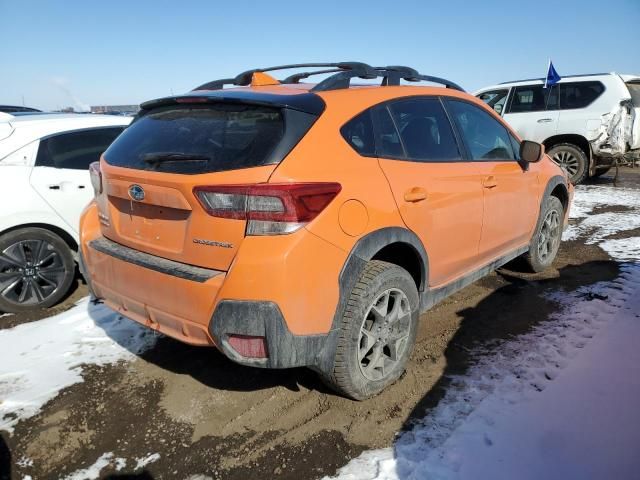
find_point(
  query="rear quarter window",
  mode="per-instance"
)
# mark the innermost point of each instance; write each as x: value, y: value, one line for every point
x: 195, y: 139
x: 579, y: 94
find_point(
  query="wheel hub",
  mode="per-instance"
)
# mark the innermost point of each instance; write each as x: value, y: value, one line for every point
x: 384, y: 334
x: 31, y: 271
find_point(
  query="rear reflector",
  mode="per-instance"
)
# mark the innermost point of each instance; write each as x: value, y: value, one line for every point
x: 270, y: 209
x: 248, y: 346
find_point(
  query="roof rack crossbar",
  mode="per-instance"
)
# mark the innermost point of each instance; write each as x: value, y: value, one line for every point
x: 244, y: 78
x: 391, y: 75
x: 343, y: 72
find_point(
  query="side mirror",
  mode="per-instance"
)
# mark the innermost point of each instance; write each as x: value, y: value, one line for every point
x: 498, y: 108
x: 531, y: 152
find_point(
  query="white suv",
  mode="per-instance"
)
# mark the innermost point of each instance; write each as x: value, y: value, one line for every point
x: 44, y: 185
x: 585, y: 121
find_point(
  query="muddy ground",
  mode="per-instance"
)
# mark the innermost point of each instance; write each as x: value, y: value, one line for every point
x: 206, y: 415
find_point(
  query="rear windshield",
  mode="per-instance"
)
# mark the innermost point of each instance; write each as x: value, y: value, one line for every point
x: 194, y: 139
x: 634, y: 90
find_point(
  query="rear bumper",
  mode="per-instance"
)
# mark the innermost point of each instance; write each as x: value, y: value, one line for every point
x: 264, y: 319
x: 160, y: 295
x: 151, y: 292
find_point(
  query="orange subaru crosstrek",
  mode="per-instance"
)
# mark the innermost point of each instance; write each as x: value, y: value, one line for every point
x: 297, y: 224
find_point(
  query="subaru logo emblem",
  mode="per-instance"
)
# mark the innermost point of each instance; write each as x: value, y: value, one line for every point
x: 136, y: 192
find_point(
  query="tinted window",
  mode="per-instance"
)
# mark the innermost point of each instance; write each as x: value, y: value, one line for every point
x: 579, y: 94
x: 484, y: 136
x: 358, y: 133
x: 495, y: 99
x: 199, y: 139
x: 424, y: 129
x: 388, y: 140
x: 76, y: 150
x: 530, y: 98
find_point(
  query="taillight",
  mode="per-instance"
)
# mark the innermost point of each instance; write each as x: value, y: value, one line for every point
x: 270, y: 209
x: 96, y: 177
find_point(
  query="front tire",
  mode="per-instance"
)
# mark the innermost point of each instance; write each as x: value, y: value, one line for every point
x: 378, y: 331
x: 546, y: 240
x: 36, y: 269
x: 572, y: 159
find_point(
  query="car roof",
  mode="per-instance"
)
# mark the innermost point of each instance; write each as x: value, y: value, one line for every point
x: 17, y: 131
x: 564, y: 79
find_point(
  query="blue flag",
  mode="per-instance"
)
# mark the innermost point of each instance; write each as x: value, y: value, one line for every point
x: 552, y: 76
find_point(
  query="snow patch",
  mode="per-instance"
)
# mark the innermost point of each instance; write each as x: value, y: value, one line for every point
x: 94, y: 470
x: 144, y: 461
x: 41, y: 358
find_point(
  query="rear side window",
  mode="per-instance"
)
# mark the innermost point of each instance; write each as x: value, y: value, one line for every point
x: 196, y: 139
x: 75, y: 150
x: 425, y: 130
x: 634, y: 90
x: 579, y: 94
x: 484, y: 136
x: 388, y: 140
x: 530, y: 98
x: 358, y: 132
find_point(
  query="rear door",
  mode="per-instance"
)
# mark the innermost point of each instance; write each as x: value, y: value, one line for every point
x: 532, y: 111
x: 439, y: 195
x: 61, y: 172
x: 149, y: 175
x: 510, y: 192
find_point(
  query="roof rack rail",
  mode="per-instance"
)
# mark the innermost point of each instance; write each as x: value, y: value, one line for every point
x: 343, y: 72
x: 564, y: 76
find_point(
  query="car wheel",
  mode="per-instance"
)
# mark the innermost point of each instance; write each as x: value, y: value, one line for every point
x: 546, y: 240
x: 378, y: 331
x: 572, y: 159
x: 36, y: 269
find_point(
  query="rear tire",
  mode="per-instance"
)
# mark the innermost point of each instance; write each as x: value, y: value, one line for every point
x: 377, y: 332
x: 546, y: 240
x: 36, y: 269
x: 572, y: 159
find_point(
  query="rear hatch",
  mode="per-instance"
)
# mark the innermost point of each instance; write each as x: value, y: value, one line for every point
x: 634, y: 90
x: 148, y: 175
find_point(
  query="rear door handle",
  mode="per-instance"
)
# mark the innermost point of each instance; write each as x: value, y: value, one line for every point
x: 54, y: 187
x: 415, y: 194
x: 545, y: 120
x: 489, y: 182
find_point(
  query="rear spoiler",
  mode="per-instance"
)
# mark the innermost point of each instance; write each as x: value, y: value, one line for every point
x: 303, y: 102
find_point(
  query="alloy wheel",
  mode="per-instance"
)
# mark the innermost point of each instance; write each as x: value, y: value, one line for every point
x: 384, y: 334
x: 568, y: 161
x: 30, y: 272
x: 549, y: 238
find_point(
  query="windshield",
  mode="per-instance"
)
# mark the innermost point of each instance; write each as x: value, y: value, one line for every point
x: 634, y: 90
x: 196, y: 139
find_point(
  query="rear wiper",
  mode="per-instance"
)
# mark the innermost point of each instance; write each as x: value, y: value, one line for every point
x: 162, y: 157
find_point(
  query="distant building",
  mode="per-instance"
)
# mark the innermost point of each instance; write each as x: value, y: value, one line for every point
x: 116, y: 109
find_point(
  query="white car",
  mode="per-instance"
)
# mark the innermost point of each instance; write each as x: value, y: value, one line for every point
x: 585, y: 121
x: 44, y: 185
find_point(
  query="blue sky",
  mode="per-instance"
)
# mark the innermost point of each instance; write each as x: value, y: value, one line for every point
x: 73, y: 53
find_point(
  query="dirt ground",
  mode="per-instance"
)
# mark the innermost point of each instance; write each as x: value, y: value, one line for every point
x: 206, y: 415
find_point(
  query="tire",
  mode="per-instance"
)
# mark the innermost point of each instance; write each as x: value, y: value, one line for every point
x: 572, y: 159
x: 601, y: 172
x: 36, y: 269
x: 364, y: 363
x: 546, y: 240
